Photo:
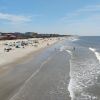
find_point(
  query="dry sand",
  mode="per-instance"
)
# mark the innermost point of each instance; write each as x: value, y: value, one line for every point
x: 18, y: 53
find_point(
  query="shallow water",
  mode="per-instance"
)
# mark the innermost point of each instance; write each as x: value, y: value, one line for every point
x: 85, y: 70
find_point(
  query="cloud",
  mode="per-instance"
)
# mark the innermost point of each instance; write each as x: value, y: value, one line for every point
x: 14, y: 18
x: 82, y: 11
x: 90, y: 8
x: 84, y: 21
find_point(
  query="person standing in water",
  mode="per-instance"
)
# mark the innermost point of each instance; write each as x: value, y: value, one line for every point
x: 74, y: 48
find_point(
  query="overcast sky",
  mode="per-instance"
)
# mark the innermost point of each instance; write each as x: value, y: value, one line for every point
x: 79, y: 17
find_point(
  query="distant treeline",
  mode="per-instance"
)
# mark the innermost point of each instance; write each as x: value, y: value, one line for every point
x: 26, y: 35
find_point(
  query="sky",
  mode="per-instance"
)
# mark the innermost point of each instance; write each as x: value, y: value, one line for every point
x: 75, y: 17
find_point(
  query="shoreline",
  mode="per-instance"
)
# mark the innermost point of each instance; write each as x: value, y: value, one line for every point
x: 14, y: 72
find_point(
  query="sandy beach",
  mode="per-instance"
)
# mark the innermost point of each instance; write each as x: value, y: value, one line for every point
x: 43, y: 76
x: 7, y: 57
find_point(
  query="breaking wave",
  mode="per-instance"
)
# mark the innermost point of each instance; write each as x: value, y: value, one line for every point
x: 84, y: 77
x: 96, y: 53
x: 69, y: 52
x: 75, y: 39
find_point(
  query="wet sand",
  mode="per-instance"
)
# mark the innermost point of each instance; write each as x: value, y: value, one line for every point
x: 43, y: 77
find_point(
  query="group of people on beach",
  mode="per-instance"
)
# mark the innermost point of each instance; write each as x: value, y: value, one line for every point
x: 10, y: 45
x: 19, y: 44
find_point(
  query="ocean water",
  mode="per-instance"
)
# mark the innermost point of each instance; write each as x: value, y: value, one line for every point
x: 85, y: 68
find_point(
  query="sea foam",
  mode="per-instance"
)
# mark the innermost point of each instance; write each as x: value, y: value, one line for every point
x: 75, y: 39
x: 62, y: 48
x: 69, y: 52
x: 83, y: 76
x: 96, y: 53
